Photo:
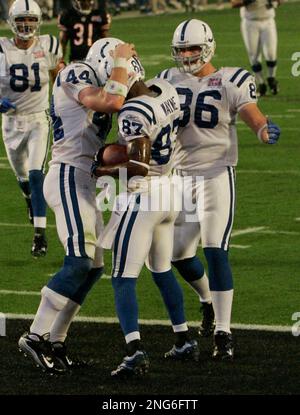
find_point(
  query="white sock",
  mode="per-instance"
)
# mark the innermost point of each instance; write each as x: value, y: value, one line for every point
x: 222, y: 303
x: 272, y: 71
x: 62, y: 322
x: 259, y: 78
x: 201, y: 287
x: 39, y: 222
x: 50, y: 305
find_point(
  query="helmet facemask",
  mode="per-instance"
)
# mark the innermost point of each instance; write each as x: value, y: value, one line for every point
x: 25, y: 30
x: 83, y: 6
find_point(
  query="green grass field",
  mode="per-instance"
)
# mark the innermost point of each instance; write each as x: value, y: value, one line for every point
x: 265, y: 253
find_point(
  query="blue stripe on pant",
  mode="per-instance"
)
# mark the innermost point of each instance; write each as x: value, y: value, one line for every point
x: 126, y: 238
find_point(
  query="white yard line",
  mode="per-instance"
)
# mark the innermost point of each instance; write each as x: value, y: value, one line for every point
x: 240, y: 246
x: 280, y: 232
x: 84, y: 319
x: 21, y: 225
x: 12, y: 292
x: 247, y: 231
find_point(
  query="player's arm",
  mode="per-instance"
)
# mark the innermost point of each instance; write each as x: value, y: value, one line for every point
x: 112, y: 96
x: 138, y: 151
x: 63, y: 39
x: 265, y: 129
x: 53, y: 72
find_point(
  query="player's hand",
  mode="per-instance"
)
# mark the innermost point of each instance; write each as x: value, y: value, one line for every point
x: 273, y: 132
x: 97, y: 161
x: 125, y: 50
x: 6, y: 105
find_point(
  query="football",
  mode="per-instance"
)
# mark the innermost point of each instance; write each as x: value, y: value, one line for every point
x: 114, y: 154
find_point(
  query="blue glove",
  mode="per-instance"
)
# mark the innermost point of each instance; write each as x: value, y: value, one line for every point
x: 274, y: 132
x: 6, y: 105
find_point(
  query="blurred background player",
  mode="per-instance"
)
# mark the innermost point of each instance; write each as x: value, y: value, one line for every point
x: 25, y: 64
x: 207, y: 146
x: 80, y: 111
x: 81, y: 26
x: 259, y: 33
x: 144, y: 230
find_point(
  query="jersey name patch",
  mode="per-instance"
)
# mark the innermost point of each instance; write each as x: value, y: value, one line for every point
x: 215, y: 82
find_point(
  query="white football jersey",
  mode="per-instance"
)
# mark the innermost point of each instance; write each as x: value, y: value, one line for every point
x: 155, y: 117
x: 207, y: 137
x: 78, y: 132
x: 259, y: 10
x: 24, y: 73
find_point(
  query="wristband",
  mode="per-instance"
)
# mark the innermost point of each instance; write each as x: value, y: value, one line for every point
x: 120, y: 63
x: 259, y: 132
x: 116, y: 88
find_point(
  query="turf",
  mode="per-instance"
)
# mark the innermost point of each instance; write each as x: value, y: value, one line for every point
x: 265, y: 364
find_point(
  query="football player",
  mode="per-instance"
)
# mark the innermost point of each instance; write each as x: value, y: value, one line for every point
x: 210, y: 99
x: 25, y: 63
x: 259, y: 33
x: 80, y: 111
x: 147, y: 124
x: 81, y: 26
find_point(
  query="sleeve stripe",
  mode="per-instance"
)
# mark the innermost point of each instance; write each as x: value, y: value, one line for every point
x: 51, y: 43
x: 135, y: 101
x: 236, y: 75
x: 1, y: 49
x: 135, y: 109
x: 57, y: 46
x: 166, y: 74
x: 243, y: 79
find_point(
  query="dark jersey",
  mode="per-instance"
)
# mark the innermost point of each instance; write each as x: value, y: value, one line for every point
x: 83, y: 30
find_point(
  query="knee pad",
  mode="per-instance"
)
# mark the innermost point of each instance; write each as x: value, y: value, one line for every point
x: 93, y: 276
x: 219, y: 272
x: 36, y: 177
x: 257, y: 67
x: 71, y: 276
x: 190, y: 269
x: 36, y: 180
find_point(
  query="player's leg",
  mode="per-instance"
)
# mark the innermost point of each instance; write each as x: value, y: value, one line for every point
x: 269, y: 47
x: 131, y: 245
x: 251, y: 35
x: 186, y: 240
x: 159, y: 262
x: 38, y: 146
x: 92, y: 220
x: 75, y: 220
x: 17, y: 154
x: 215, y: 233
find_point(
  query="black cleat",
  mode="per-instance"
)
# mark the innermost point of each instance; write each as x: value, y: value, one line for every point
x: 39, y: 349
x: 223, y: 346
x: 137, y: 364
x: 39, y: 245
x: 29, y: 209
x: 273, y: 85
x: 208, y: 324
x: 59, y: 350
x: 262, y: 90
x: 189, y: 351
